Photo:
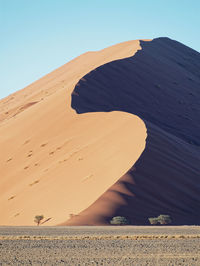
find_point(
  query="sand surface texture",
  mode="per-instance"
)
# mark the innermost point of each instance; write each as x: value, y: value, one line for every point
x: 160, y: 84
x: 55, y: 162
x: 113, y: 132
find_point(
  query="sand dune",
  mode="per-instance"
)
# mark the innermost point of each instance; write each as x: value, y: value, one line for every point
x: 160, y: 84
x: 64, y: 153
x: 55, y: 162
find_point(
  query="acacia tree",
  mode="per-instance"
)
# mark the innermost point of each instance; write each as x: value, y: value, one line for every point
x: 164, y: 219
x: 38, y: 219
x: 161, y: 219
x: 153, y: 220
x: 119, y: 220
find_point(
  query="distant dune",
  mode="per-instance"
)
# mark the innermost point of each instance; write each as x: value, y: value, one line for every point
x: 113, y: 132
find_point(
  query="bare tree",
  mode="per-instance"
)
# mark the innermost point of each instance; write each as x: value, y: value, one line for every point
x: 38, y: 219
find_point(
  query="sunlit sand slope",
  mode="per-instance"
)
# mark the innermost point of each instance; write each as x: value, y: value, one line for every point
x: 55, y: 162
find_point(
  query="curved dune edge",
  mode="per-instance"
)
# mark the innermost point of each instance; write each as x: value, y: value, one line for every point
x: 154, y: 185
x: 165, y: 179
x: 56, y: 162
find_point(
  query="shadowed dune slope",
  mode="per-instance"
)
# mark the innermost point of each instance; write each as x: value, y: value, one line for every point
x: 160, y: 84
x: 55, y: 162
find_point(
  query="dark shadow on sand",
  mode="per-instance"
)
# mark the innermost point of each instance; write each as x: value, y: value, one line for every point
x: 161, y: 85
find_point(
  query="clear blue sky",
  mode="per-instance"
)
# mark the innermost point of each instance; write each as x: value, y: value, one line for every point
x: 37, y: 36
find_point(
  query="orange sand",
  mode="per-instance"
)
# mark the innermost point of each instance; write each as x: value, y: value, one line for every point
x: 55, y: 162
x: 139, y: 160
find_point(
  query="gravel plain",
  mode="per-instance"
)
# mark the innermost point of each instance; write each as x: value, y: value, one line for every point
x: 106, y: 245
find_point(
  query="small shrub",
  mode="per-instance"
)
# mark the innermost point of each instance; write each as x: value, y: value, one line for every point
x: 164, y: 219
x: 153, y: 220
x: 161, y: 219
x: 119, y: 220
x: 38, y: 219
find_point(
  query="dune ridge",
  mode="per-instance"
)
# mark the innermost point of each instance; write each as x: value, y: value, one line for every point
x: 160, y: 84
x: 56, y: 162
x: 75, y: 142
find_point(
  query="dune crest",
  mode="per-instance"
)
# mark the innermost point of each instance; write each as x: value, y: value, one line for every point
x: 161, y: 85
x: 75, y: 147
x: 56, y: 162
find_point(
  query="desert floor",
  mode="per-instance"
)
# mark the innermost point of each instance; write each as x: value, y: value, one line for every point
x: 98, y: 245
